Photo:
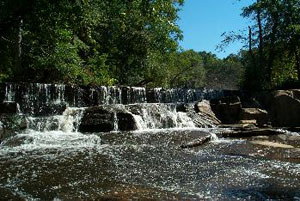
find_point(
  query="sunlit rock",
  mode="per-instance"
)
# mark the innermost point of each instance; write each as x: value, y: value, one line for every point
x: 258, y: 115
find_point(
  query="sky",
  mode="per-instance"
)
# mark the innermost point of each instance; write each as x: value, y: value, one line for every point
x: 204, y: 21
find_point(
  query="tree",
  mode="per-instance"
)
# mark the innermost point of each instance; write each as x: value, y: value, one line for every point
x: 86, y: 41
x: 275, y: 44
x: 224, y: 73
x: 188, y: 70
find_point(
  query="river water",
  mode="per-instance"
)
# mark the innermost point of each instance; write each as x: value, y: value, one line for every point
x: 148, y: 164
x: 51, y: 160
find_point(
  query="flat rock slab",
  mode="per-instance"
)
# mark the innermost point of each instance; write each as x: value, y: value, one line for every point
x: 198, y: 142
x: 272, y: 144
x: 170, y: 139
x: 239, y: 126
x: 250, y: 133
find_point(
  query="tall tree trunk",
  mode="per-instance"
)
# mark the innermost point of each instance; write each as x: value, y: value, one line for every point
x: 250, y: 42
x: 272, y: 52
x: 261, y: 56
x: 297, y: 56
x: 250, y: 47
x: 18, y: 49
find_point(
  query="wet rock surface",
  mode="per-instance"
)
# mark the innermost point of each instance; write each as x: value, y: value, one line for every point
x: 8, y: 108
x: 97, y: 119
x: 204, y: 108
x: 249, y: 132
x: 197, y: 142
x: 106, y: 119
x: 126, y: 122
x: 11, y: 124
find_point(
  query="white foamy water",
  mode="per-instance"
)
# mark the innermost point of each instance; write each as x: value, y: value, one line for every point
x: 34, y: 140
x: 56, y: 132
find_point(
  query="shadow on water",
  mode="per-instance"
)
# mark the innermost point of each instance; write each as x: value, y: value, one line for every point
x: 266, y: 191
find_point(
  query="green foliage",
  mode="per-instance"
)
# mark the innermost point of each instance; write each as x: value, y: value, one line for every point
x: 224, y: 73
x: 274, y: 57
x: 195, y: 70
x: 87, y: 41
x: 187, y: 70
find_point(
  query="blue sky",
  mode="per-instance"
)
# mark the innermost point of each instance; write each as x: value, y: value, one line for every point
x: 203, y: 22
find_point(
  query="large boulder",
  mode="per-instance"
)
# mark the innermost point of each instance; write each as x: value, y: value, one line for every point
x: 126, y: 121
x: 8, y: 108
x: 106, y: 119
x: 227, y: 109
x: 260, y: 116
x: 11, y: 124
x: 204, y: 108
x: 97, y: 119
x: 285, y: 108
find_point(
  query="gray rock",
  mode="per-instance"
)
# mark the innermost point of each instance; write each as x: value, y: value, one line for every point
x: 106, y: 119
x: 227, y: 109
x: 260, y: 116
x: 97, y: 119
x: 8, y: 108
x: 195, y: 143
x: 250, y: 133
x: 285, y: 108
x: 204, y: 107
x: 126, y: 121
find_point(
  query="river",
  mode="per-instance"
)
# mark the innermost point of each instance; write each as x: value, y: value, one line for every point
x: 52, y: 160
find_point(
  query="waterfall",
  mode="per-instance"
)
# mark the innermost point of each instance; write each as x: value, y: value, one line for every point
x: 9, y: 93
x: 116, y: 127
x: 58, y: 107
x: 145, y: 117
x: 158, y: 116
x: 68, y: 122
x: 42, y: 99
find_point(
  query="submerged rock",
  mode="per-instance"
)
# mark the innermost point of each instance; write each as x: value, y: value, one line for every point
x: 272, y: 144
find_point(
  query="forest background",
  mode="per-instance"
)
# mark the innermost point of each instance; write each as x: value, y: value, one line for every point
x: 135, y: 43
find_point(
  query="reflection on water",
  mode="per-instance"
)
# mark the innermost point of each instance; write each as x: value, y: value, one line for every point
x: 148, y: 165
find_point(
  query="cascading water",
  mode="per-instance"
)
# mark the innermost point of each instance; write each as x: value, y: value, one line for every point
x: 68, y: 122
x: 53, y: 160
x: 32, y: 97
x: 159, y: 116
